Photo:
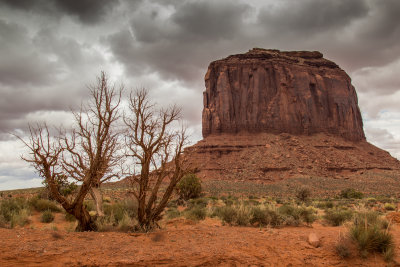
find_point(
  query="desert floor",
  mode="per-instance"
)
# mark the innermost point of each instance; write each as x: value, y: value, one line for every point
x: 181, y: 242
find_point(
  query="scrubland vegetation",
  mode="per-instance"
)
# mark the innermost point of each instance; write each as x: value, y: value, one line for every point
x: 364, y: 218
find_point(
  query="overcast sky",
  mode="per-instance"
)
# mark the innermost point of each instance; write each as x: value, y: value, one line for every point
x: 50, y: 50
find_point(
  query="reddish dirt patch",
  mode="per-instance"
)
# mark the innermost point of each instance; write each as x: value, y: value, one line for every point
x: 180, y: 243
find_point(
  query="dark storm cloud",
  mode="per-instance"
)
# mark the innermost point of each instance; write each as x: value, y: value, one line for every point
x: 311, y: 16
x: 20, y: 64
x: 87, y: 11
x: 181, y: 44
x: 201, y: 21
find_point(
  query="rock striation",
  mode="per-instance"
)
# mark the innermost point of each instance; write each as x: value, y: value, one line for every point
x: 271, y: 91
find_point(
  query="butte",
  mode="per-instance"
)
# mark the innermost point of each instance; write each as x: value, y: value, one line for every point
x: 273, y: 116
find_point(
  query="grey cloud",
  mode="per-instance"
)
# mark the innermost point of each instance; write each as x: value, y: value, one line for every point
x: 384, y: 139
x: 382, y: 80
x: 43, y: 72
x: 383, y: 24
x: 178, y: 45
x: 87, y: 11
x: 210, y: 20
x: 20, y: 64
x: 311, y: 16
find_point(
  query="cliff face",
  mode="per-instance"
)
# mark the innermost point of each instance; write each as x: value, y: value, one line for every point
x: 271, y: 91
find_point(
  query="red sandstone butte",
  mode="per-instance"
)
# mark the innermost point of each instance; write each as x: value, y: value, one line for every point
x: 270, y: 116
x: 272, y: 91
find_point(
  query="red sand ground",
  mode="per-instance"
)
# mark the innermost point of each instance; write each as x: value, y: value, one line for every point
x: 180, y: 243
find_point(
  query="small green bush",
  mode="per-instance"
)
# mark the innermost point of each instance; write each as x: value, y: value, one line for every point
x: 303, y: 194
x: 226, y: 213
x: 390, y: 206
x: 43, y: 205
x: 336, y: 217
x: 189, y: 187
x: 117, y: 210
x: 307, y: 215
x: 342, y: 250
x: 370, y: 236
x: 14, y: 211
x: 20, y: 218
x: 243, y: 215
x: 325, y: 204
x: 47, y: 217
x: 172, y: 213
x: 11, y: 207
x: 126, y: 223
x: 265, y: 216
x: 290, y: 214
x: 196, y: 213
x: 198, y: 202
x: 351, y: 193
x: 3, y: 222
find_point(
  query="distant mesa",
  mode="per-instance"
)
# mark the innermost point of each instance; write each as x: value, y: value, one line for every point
x: 273, y: 91
x: 271, y: 115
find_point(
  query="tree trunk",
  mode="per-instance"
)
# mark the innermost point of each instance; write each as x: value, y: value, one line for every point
x: 85, y: 221
x: 98, y: 200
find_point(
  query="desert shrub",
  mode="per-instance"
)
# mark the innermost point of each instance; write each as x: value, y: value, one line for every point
x: 243, y: 215
x: 14, y: 211
x: 368, y: 233
x: 47, y: 217
x: 324, y: 204
x: 308, y: 215
x: 20, y: 218
x: 44, y: 204
x: 126, y: 223
x: 390, y: 206
x: 239, y: 214
x: 265, y: 216
x: 388, y: 254
x: 114, y: 211
x: 228, y: 202
x: 370, y: 218
x: 189, y: 187
x: 303, y: 194
x: 198, y: 202
x: 172, y: 213
x: 226, y: 213
x: 196, y: 213
x: 290, y: 214
x: 109, y: 223
x: 336, y: 217
x: 342, y: 249
x: 3, y: 222
x: 295, y: 215
x: 351, y: 193
x: 117, y: 210
x: 105, y: 224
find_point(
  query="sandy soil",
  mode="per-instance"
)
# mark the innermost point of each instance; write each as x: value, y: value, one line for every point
x: 180, y: 243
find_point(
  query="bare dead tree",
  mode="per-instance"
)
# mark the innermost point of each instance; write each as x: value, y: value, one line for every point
x: 88, y: 154
x: 157, y: 150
